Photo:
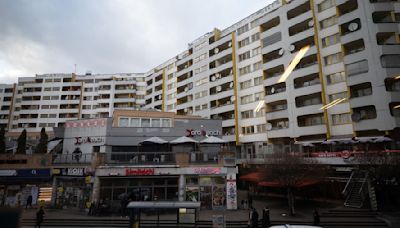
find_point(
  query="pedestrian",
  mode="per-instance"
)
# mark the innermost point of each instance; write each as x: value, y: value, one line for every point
x: 250, y: 201
x: 92, y: 208
x: 242, y: 203
x: 316, y: 218
x: 39, y: 217
x: 28, y: 202
x: 245, y: 205
x: 266, y: 222
x: 254, y: 218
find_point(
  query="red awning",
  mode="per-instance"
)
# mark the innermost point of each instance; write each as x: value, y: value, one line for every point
x: 277, y: 184
x: 254, y: 176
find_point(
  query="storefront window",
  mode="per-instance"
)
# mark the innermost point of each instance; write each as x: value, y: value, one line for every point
x: 166, y: 123
x: 205, y: 181
x: 124, y: 122
x: 145, y: 122
x: 135, y: 122
x: 191, y: 181
x: 192, y: 194
x: 155, y: 122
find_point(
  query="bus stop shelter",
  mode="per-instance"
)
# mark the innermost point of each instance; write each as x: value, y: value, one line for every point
x: 186, y: 213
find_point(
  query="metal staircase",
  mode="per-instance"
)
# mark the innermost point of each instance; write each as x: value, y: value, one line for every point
x: 357, y: 189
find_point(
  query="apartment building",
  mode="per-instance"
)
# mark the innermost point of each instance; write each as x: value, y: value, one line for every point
x: 346, y: 84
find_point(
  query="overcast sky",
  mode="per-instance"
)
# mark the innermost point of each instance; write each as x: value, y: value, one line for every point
x: 50, y: 36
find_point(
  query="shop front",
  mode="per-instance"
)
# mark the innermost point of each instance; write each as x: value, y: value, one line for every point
x: 16, y: 185
x: 207, y: 185
x: 71, y: 187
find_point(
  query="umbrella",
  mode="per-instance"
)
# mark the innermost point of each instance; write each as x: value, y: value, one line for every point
x: 156, y: 140
x: 383, y: 139
x: 213, y: 139
x: 183, y: 139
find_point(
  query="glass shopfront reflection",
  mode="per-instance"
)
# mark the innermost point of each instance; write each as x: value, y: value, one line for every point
x: 209, y: 190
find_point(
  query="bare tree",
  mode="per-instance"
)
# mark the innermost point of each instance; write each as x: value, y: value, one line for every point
x: 292, y: 171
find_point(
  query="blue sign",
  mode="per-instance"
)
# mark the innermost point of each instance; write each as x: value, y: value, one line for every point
x: 33, y: 173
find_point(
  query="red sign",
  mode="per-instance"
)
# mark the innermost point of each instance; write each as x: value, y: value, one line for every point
x: 139, y: 172
x: 207, y: 170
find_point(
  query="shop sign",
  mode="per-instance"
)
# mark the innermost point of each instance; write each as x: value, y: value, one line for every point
x: 33, y: 172
x: 73, y: 171
x: 83, y: 140
x: 207, y: 170
x: 8, y: 173
x: 139, y: 172
x: 192, y: 132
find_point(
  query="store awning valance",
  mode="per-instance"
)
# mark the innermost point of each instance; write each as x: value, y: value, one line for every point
x: 213, y: 139
x: 183, y: 139
x: 156, y: 140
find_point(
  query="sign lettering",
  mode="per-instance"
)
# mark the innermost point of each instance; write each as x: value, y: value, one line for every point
x: 82, y: 140
x: 192, y: 133
x: 207, y: 170
x: 139, y: 172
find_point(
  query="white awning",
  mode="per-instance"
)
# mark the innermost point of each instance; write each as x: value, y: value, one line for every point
x: 52, y: 144
x: 212, y: 139
x: 183, y: 139
x: 156, y: 140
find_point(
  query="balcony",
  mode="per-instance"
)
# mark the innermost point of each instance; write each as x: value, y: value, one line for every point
x: 25, y: 161
x: 72, y: 159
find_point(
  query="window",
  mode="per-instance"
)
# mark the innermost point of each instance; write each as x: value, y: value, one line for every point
x: 261, y: 128
x: 260, y: 112
x: 248, y: 130
x: 123, y: 122
x: 243, y: 29
x: 170, y: 76
x: 257, y: 66
x: 135, y: 122
x: 259, y: 96
x: 244, y: 42
x: 357, y: 68
x: 255, y: 37
x: 343, y: 118
x: 390, y: 61
x: 336, y: 77
x: 326, y: 5
x: 328, y: 22
x: 340, y: 95
x: 201, y: 81
x: 171, y: 96
x: 201, y: 107
x: 244, y: 56
x: 247, y: 114
x: 245, y: 84
x: 244, y: 70
x: 258, y: 81
x: 200, y: 57
x: 246, y: 99
x: 166, y: 123
x: 155, y: 122
x: 256, y: 51
x: 331, y: 40
x: 145, y: 122
x: 332, y: 59
x: 88, y: 89
x: 171, y: 85
x: 200, y: 94
x: 310, y: 120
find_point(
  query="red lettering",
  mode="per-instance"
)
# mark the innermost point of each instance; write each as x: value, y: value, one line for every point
x: 139, y: 172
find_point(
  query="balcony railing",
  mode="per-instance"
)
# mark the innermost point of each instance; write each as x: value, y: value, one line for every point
x: 140, y: 158
x: 73, y: 159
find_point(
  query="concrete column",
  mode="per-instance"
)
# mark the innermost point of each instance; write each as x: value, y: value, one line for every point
x: 54, y: 192
x: 96, y: 190
x: 181, y: 188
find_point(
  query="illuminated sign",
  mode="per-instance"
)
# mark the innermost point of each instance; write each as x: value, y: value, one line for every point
x: 207, y: 170
x: 192, y: 132
x: 82, y: 140
x: 139, y: 172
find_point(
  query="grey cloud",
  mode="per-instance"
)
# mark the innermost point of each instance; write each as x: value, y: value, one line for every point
x: 105, y: 36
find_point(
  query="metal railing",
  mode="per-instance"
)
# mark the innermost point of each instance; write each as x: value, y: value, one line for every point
x: 203, y: 157
x: 140, y: 158
x: 72, y: 159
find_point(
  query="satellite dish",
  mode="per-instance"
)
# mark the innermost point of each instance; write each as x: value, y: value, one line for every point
x: 216, y: 50
x: 272, y: 90
x: 356, y: 117
x: 281, y: 51
x: 233, y: 98
x: 268, y: 126
x: 231, y: 72
x: 213, y: 78
x: 230, y: 44
x: 185, y: 109
x: 311, y: 23
x: 353, y: 27
x: 291, y: 47
x: 186, y: 89
x: 159, y: 96
x: 190, y: 86
x: 218, y: 88
x: 218, y: 75
x: 231, y: 85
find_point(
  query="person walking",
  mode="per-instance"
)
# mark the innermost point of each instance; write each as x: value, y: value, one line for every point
x: 28, y: 202
x: 266, y: 222
x: 39, y: 217
x: 316, y: 218
x: 254, y: 218
x: 250, y: 199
